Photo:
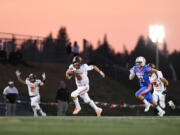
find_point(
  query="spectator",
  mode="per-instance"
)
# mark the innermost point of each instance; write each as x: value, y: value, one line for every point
x: 10, y: 95
x: 62, y: 98
x: 76, y: 49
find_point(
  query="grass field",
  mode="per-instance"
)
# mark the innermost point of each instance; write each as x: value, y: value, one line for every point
x: 90, y: 125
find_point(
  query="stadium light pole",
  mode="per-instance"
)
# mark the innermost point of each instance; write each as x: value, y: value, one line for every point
x: 157, y: 35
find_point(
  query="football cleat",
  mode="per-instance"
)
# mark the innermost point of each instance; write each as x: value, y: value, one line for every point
x: 76, y: 110
x: 43, y: 114
x: 171, y: 104
x: 35, y: 115
x: 161, y: 113
x: 99, y: 112
x: 147, y: 107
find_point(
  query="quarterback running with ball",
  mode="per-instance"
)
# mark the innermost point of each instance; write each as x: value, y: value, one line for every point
x: 80, y: 71
x: 33, y: 85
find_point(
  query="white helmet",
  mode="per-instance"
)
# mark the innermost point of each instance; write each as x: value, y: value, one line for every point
x: 140, y: 61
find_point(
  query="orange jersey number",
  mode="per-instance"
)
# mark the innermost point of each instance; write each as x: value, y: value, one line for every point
x: 32, y: 88
x: 79, y: 77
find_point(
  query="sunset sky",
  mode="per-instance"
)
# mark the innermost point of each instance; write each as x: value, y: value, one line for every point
x: 122, y: 20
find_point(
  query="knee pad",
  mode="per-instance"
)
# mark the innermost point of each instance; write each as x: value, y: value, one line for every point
x: 73, y: 94
x: 38, y: 107
x: 85, y: 98
x: 33, y: 103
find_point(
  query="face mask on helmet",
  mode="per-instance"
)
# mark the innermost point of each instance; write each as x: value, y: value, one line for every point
x: 76, y: 65
x: 32, y: 77
x: 140, y: 62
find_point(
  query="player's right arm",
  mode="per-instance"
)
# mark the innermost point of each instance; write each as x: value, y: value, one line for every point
x: 69, y: 73
x: 132, y: 74
x: 18, y: 74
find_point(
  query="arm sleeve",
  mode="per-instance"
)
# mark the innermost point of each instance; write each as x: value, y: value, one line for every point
x: 89, y: 67
x: 160, y: 75
x: 27, y: 81
x: 39, y: 81
x: 133, y: 69
x: 148, y: 68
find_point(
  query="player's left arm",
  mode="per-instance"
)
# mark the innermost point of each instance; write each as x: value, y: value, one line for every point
x: 42, y: 83
x: 99, y: 71
x: 165, y: 81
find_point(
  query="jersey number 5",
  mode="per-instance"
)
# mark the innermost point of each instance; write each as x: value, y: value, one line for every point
x: 155, y: 84
x: 78, y: 76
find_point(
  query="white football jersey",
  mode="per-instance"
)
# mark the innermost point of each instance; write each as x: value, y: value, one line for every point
x: 81, y: 74
x: 33, y: 88
x: 158, y: 85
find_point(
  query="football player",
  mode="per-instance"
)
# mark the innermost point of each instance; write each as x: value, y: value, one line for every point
x: 80, y: 70
x: 33, y: 85
x: 141, y: 70
x: 159, y: 86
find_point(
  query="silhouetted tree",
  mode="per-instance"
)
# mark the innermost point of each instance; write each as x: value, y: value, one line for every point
x: 60, y: 45
x: 174, y: 59
x: 30, y: 50
x: 49, y: 48
x: 165, y: 50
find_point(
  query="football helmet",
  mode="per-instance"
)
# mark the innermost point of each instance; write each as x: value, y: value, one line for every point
x: 77, y: 61
x: 140, y: 61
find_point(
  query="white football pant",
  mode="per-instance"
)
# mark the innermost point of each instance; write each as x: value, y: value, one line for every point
x: 35, y: 100
x: 82, y: 92
x: 158, y: 96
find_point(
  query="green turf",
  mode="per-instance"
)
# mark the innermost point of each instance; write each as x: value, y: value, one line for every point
x: 90, y: 125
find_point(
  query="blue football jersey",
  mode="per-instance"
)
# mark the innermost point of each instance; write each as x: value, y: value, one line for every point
x: 143, y: 74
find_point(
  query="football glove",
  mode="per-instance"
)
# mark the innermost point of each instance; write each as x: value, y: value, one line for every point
x: 44, y: 76
x: 131, y: 70
x: 18, y: 73
x: 102, y: 74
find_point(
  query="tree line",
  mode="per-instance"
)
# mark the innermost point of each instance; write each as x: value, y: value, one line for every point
x: 60, y: 50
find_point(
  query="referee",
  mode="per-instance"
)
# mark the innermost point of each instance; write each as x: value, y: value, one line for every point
x: 10, y: 95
